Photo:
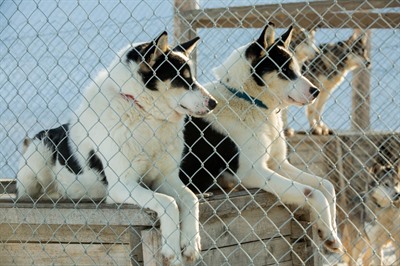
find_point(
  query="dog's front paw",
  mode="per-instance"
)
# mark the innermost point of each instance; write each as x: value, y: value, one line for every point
x: 321, y: 130
x: 331, y: 242
x: 170, y: 256
x: 191, y: 250
x: 191, y: 254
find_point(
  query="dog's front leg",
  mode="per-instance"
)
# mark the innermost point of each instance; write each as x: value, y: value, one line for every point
x: 123, y: 191
x: 292, y: 192
x: 188, y: 205
x: 314, y: 112
x: 325, y: 186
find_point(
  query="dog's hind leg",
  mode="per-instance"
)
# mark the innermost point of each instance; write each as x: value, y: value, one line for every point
x: 292, y: 192
x: 35, y: 172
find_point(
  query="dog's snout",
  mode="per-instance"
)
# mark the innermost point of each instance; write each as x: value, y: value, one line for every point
x: 314, y: 92
x: 368, y: 64
x: 212, y: 104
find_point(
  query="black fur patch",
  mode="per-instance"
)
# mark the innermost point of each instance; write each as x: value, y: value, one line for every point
x: 95, y: 163
x: 171, y: 68
x: 136, y: 53
x: 56, y: 140
x: 276, y: 59
x: 207, y: 154
x: 166, y: 67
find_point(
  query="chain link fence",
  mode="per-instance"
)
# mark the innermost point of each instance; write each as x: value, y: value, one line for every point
x: 51, y: 50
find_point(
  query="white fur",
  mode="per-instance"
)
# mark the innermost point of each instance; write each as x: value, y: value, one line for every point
x: 140, y: 145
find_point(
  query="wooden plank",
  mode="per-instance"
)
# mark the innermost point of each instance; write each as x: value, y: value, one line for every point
x: 302, y: 254
x: 262, y: 252
x: 291, y: 8
x: 323, y: 14
x: 151, y: 247
x: 243, y: 227
x: 329, y: 20
x: 85, y: 234
x: 82, y: 216
x: 229, y: 203
x: 136, y: 249
x: 63, y: 254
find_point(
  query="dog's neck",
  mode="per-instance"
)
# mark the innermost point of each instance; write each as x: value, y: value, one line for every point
x: 130, y: 97
x: 174, y: 117
x: 243, y: 95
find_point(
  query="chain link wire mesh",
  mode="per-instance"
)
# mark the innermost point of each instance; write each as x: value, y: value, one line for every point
x: 51, y: 50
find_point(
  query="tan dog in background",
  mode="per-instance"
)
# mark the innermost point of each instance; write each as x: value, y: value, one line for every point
x: 374, y: 221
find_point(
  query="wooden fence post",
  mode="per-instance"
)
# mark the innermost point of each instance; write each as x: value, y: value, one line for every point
x: 183, y: 31
x: 361, y: 98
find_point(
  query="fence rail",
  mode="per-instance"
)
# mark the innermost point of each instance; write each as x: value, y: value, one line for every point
x: 315, y: 14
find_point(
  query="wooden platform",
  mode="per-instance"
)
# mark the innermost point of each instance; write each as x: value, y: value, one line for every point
x: 249, y: 227
x: 238, y: 228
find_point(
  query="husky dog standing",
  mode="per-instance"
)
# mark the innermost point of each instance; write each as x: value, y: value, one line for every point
x: 125, y: 142
x: 374, y: 222
x: 328, y: 70
x: 303, y: 45
x: 243, y: 142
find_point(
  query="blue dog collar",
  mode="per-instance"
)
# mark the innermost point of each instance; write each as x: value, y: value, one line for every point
x: 245, y: 96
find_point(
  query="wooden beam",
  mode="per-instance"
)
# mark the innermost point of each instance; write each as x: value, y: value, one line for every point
x: 361, y: 99
x: 182, y: 29
x: 322, y: 14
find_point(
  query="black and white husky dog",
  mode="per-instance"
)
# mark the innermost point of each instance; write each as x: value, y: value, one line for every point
x: 125, y: 142
x: 243, y: 140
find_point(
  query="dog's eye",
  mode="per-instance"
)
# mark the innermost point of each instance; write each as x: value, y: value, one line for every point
x: 186, y: 74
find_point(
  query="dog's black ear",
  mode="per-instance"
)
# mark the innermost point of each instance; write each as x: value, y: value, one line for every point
x: 258, y: 48
x: 286, y: 38
x: 187, y: 47
x: 157, y: 47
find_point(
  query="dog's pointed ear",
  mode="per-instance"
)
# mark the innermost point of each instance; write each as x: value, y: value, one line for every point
x: 156, y: 48
x: 286, y: 38
x: 267, y: 36
x: 187, y: 47
x: 356, y: 36
x: 258, y: 48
